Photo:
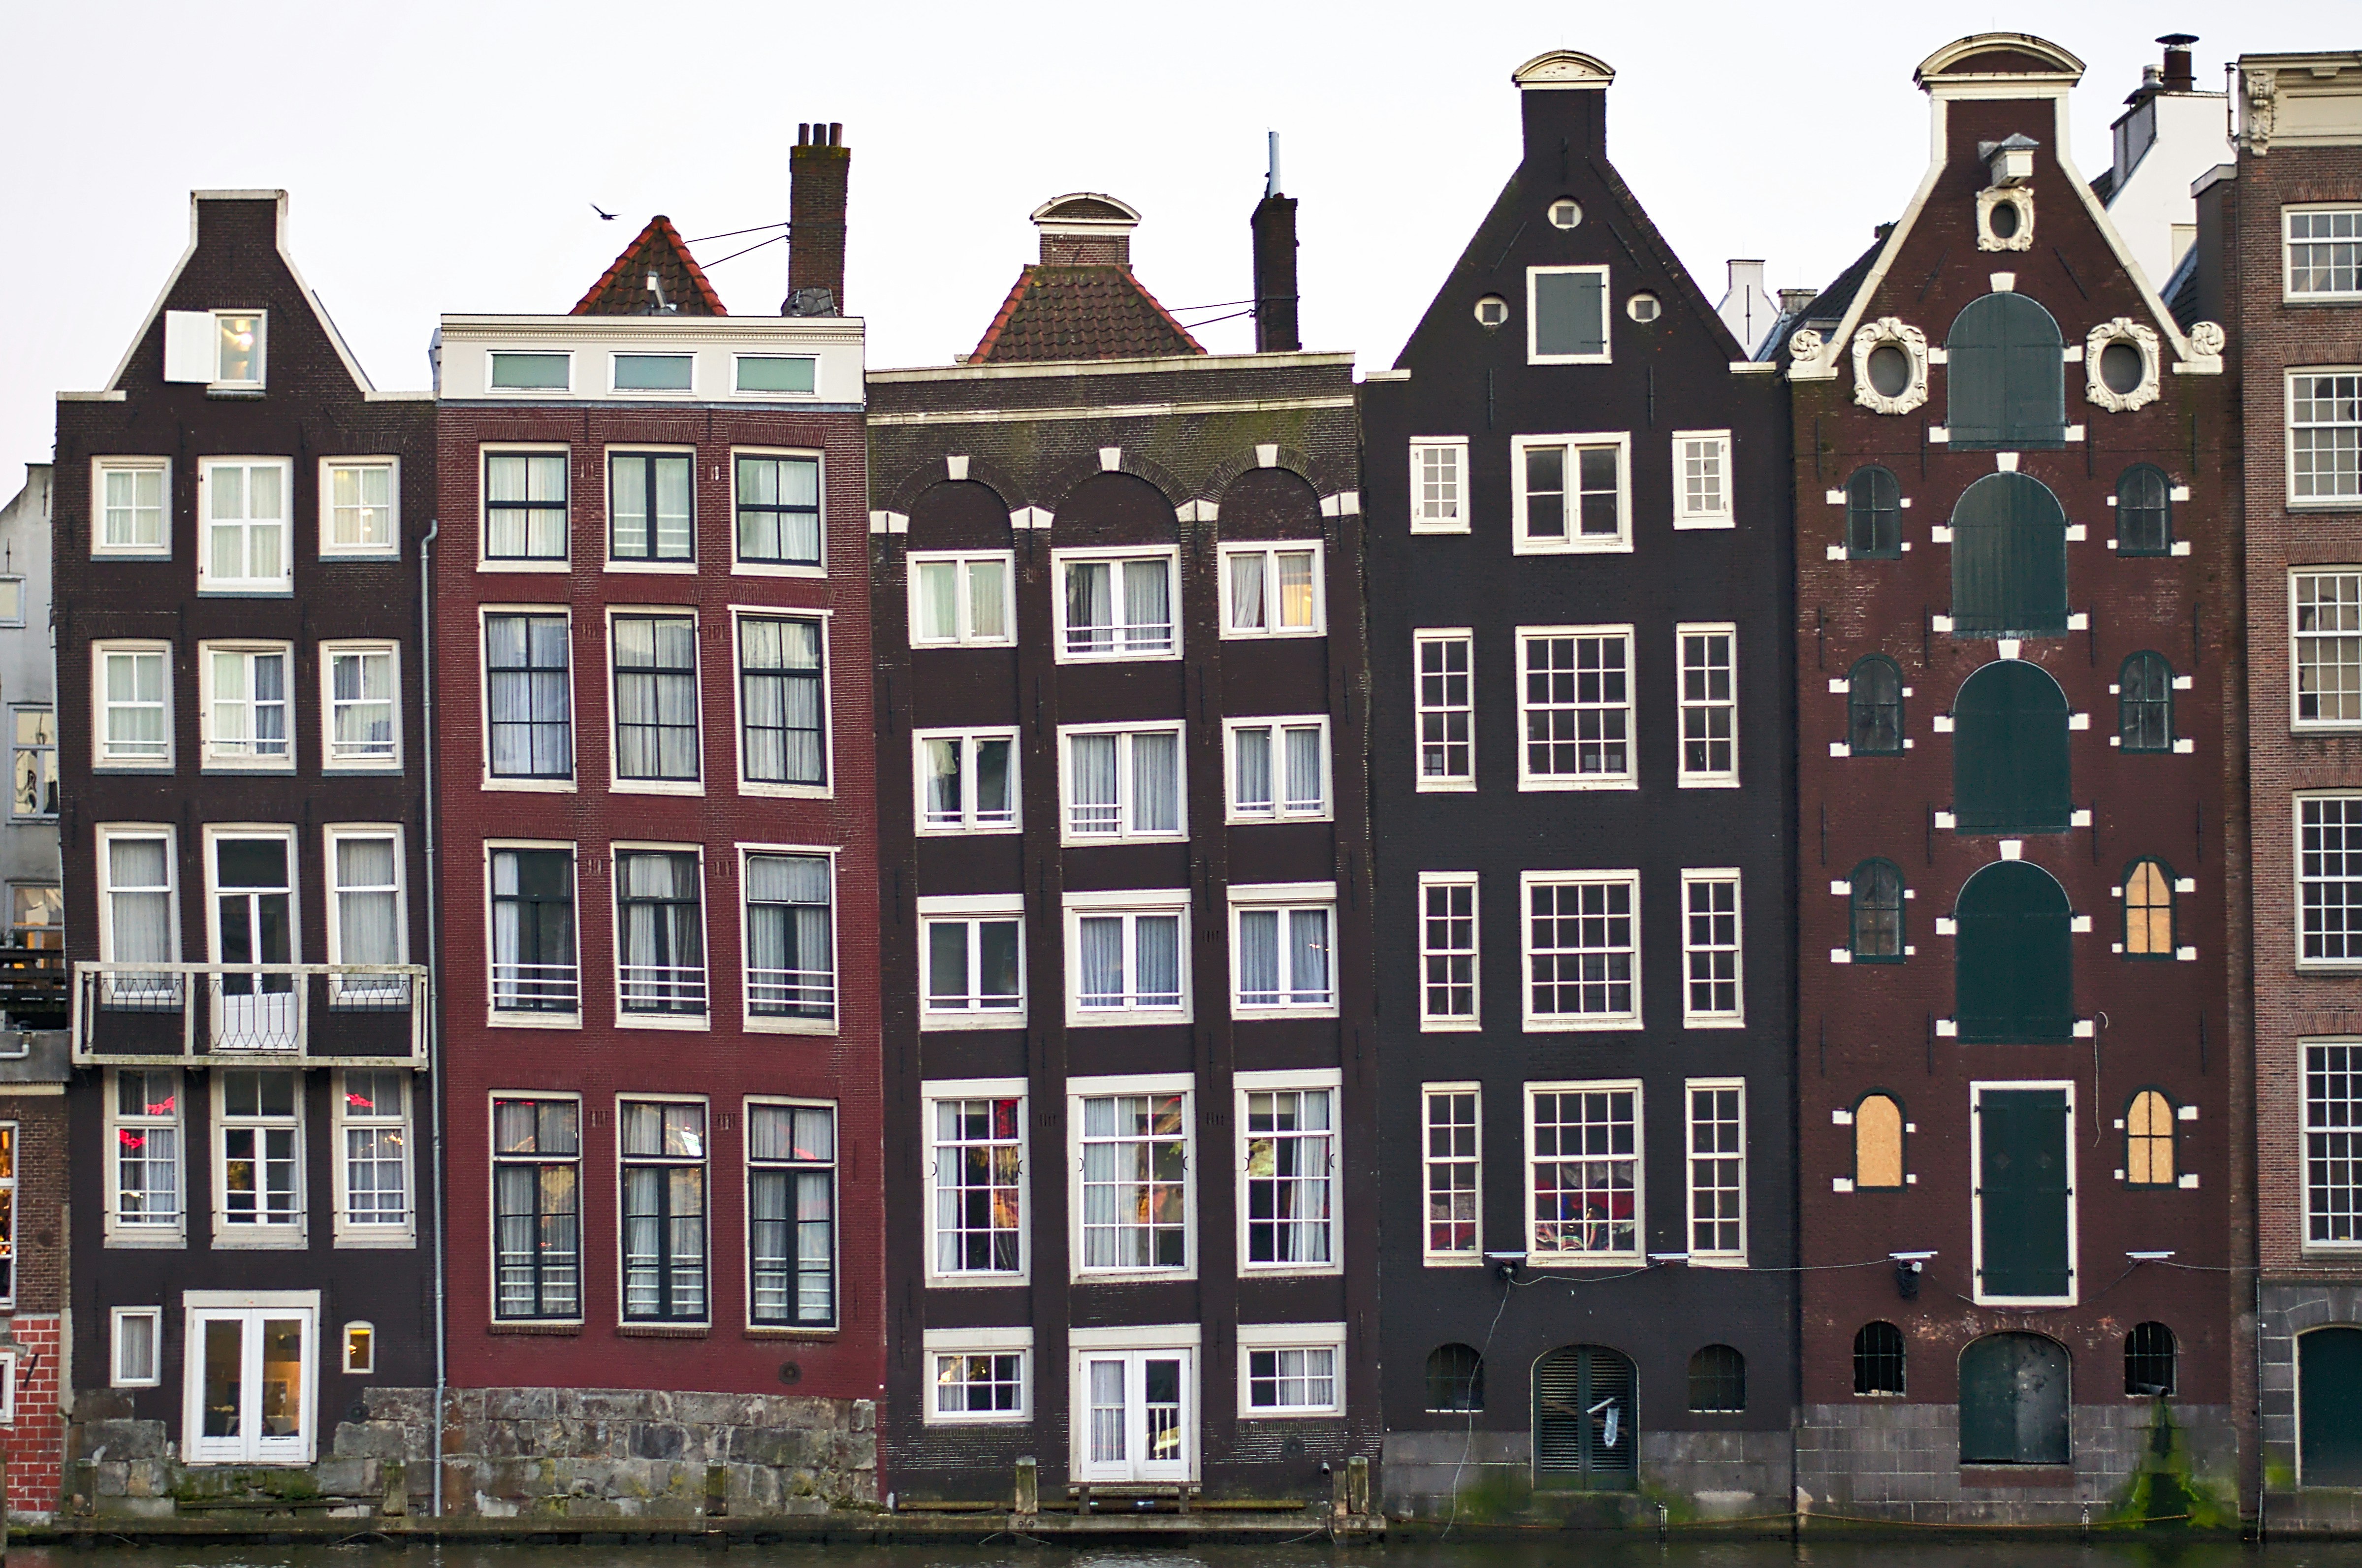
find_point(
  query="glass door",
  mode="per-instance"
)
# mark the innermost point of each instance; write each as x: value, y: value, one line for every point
x: 1139, y: 1416
x: 251, y: 1382
x: 253, y: 923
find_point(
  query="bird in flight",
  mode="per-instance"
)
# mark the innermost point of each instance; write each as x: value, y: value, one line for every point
x: 602, y: 212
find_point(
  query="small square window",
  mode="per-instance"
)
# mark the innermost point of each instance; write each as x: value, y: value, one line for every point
x: 360, y: 1350
x: 1566, y: 315
x: 1571, y: 493
x: 358, y: 515
x: 129, y: 497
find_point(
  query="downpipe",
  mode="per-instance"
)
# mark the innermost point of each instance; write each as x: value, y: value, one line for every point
x: 434, y: 993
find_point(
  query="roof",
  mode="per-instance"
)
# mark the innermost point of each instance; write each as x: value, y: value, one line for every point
x: 622, y: 289
x: 1081, y: 312
x: 2180, y: 290
x: 1830, y: 305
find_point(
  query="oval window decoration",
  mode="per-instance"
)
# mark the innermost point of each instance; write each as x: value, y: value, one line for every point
x: 1492, y: 311
x: 1643, y: 307
x: 1889, y: 366
x: 1565, y: 212
x: 2121, y: 365
x: 2006, y: 218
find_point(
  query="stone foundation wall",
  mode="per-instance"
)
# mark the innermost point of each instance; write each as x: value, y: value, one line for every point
x: 2286, y: 1310
x: 1487, y: 1477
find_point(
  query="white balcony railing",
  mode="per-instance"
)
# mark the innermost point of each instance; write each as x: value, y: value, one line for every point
x: 325, y: 1014
x: 677, y: 988
x: 791, y: 993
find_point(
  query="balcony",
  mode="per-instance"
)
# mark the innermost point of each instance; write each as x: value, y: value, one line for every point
x: 324, y: 1015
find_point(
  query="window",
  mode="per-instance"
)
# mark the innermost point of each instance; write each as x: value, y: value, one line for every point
x: 790, y: 938
x: 252, y: 1367
x: 650, y: 513
x: 1272, y: 591
x: 1583, y: 1171
x: 1566, y: 315
x: 1711, y: 997
x: 2148, y: 1360
x: 1287, y: 1191
x: 36, y: 763
x: 1447, y: 950
x: 12, y: 600
x: 1874, y: 708
x: 2013, y: 980
x: 1278, y: 769
x: 246, y: 697
x: 2023, y: 1193
x: 533, y: 372
x: 525, y: 505
x: 2009, y: 751
x: 134, y: 704
x: 135, y: 1340
x: 2006, y: 369
x: 1878, y: 1133
x: 130, y: 501
x: 2009, y: 559
x: 966, y: 780
x: 537, y: 1208
x: 656, y: 697
x: 2329, y: 878
x: 2333, y: 1143
x: 974, y: 951
x: 1116, y: 607
x: 2145, y: 703
x: 1583, y: 950
x: 529, y: 697
x: 1455, y: 1380
x: 776, y: 373
x: 145, y: 1119
x: 2143, y: 512
x: 962, y: 600
x: 978, y: 1374
x: 1878, y: 1359
x: 138, y: 915
x: 1575, y: 697
x: 1132, y: 1161
x: 258, y: 1153
x: 534, y: 968
x: 1874, y: 504
x: 223, y: 349
x: 8, y: 1211
x: 1702, y: 478
x: 1454, y: 1174
x: 1874, y: 931
x: 36, y: 916
x: 2148, y: 1140
x: 2149, y: 910
x: 1717, y: 1170
x: 363, y: 719
x: 1447, y: 710
x: 659, y: 933
x: 1281, y: 958
x: 2324, y: 253
x: 1289, y: 1369
x: 366, y: 923
x: 253, y: 925
x: 662, y: 1144
x: 655, y: 372
x: 978, y: 1142
x: 360, y: 1350
x: 1583, y: 1423
x: 1122, y: 783
x: 1127, y: 958
x: 791, y: 1215
x: 782, y: 702
x: 1570, y: 493
x: 373, y: 1177
x: 244, y: 504
x: 1717, y: 1381
x: 2327, y: 622
x: 1439, y: 486
x: 357, y: 510
x: 1709, y: 704
x: 779, y: 510
x: 2324, y: 437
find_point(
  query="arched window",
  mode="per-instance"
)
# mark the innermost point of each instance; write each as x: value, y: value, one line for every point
x: 1874, y: 708
x: 1717, y: 1381
x: 1456, y: 1379
x: 2014, y: 1401
x: 1584, y: 1413
x: 1878, y: 1359
x: 2009, y: 559
x: 1877, y: 1143
x: 2149, y: 910
x: 2143, y: 512
x: 2145, y: 703
x: 2007, y: 374
x: 1873, y: 514
x: 2009, y: 751
x: 2148, y: 1140
x: 2148, y: 1359
x: 1877, y: 934
x: 2012, y: 974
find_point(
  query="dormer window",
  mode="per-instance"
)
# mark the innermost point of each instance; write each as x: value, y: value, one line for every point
x: 221, y: 348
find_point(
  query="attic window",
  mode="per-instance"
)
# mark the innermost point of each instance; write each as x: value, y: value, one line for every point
x: 1566, y: 315
x: 1642, y: 307
x: 221, y: 348
x: 532, y: 372
x: 1566, y: 212
x: 2005, y: 221
x: 1492, y: 311
x: 776, y: 373
x: 1890, y: 371
x: 654, y: 372
x: 2121, y: 369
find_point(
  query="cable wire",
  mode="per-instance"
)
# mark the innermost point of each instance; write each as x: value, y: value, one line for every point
x: 734, y: 233
x: 735, y: 254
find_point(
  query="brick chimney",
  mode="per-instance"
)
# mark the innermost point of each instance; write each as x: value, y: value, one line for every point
x: 1086, y: 228
x: 1274, y: 265
x: 2179, y: 76
x: 819, y: 172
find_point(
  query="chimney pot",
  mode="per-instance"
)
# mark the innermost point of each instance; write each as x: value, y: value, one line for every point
x: 2179, y: 76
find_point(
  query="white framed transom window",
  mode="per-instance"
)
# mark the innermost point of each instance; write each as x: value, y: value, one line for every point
x: 1273, y: 590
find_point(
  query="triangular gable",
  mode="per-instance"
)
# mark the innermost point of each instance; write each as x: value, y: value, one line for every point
x: 1081, y: 312
x: 622, y: 289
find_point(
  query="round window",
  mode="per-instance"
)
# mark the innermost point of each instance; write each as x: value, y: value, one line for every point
x: 2003, y: 220
x: 2122, y: 369
x: 1890, y: 371
x: 1492, y: 311
x: 1565, y: 211
x: 1642, y: 307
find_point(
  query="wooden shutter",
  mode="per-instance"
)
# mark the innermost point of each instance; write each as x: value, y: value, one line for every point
x: 1569, y: 313
x: 2022, y: 1194
x: 2009, y: 752
x: 2007, y: 376
x: 1878, y: 1142
x: 2014, y: 1401
x: 2329, y: 1408
x: 2013, y: 971
x: 2009, y: 559
x: 190, y: 343
x: 1576, y: 1389
x: 1558, y: 1413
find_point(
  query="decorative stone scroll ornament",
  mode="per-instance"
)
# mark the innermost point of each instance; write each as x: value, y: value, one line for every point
x: 2263, y: 94
x: 1884, y: 384
x: 2013, y: 232
x: 1805, y: 343
x: 2206, y: 347
x: 2120, y: 334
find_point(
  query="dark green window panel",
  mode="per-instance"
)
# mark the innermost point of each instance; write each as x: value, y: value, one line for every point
x: 2145, y: 703
x: 2022, y: 1195
x: 2143, y: 512
x: 2009, y: 752
x: 1874, y: 708
x: 1570, y: 311
x: 2009, y: 559
x: 2006, y: 367
x: 1873, y: 514
x: 1877, y: 912
x: 2013, y: 1394
x: 2329, y: 1408
x: 1583, y: 1427
x: 2013, y: 975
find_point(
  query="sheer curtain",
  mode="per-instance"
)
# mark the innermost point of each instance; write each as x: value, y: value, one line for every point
x: 1259, y: 957
x: 939, y: 601
x: 1246, y: 592
x: 1107, y: 1412
x: 636, y: 699
x: 1251, y: 789
x: 672, y: 508
x: 1102, y: 1196
x: 1308, y: 942
x: 1159, y: 964
x: 1304, y: 769
x: 1091, y: 792
x: 676, y: 698
x: 799, y: 650
x: 627, y: 503
x: 1147, y: 606
x: 787, y: 935
x: 1156, y: 783
x: 367, y: 928
x: 139, y: 886
x: 799, y: 491
x: 1090, y: 609
x: 988, y: 599
x: 995, y: 802
x: 266, y: 529
x: 1295, y: 588
x: 1099, y: 960
x: 943, y: 782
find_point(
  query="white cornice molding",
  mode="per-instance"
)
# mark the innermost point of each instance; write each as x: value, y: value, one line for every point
x: 1561, y: 69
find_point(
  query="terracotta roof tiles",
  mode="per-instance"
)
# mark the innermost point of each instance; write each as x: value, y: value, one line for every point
x: 1098, y: 312
x: 622, y: 289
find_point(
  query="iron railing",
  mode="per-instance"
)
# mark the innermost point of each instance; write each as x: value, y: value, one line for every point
x: 316, y: 1015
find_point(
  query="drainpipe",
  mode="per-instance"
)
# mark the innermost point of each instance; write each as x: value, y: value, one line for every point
x: 434, y: 990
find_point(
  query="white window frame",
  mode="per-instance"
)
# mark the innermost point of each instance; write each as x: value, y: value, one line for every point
x: 251, y: 1307
x: 1735, y: 1017
x: 709, y: 1220
x: 1576, y: 1023
x: 1244, y: 1084
x: 364, y: 647
x: 116, y: 1378
x: 1279, y: 811
x: 329, y: 548
x: 1723, y: 1257
x: 967, y: 740
x: 1713, y: 445
x: 933, y: 1093
x: 494, y: 1015
x: 248, y: 587
x: 700, y: 1022
x: 1126, y: 903
x: 286, y: 1235
x: 740, y: 566
x: 1061, y: 559
x: 1630, y: 778
x: 493, y: 388
x: 1080, y: 1089
x: 1977, y: 1089
x: 106, y: 834
x: 485, y: 453
x: 749, y: 1167
x: 1574, y: 543
x: 1253, y: 1337
x: 1473, y: 1255
x: 962, y: 562
x: 615, y: 358
x: 1535, y: 1254
x: 209, y: 759
x: 1534, y: 356
x: 2299, y: 639
x: 212, y: 835
x: 1283, y: 899
x: 616, y: 782
x: 1709, y: 778
x: 2297, y: 854
x: 946, y: 1342
x: 2289, y: 293
x: 361, y: 1333
x: 19, y: 748
x: 2344, y: 502
x: 349, y: 1232
x: 648, y: 565
x: 1421, y: 640
x: 967, y: 910
x: 550, y: 784
x: 1126, y: 795
x: 120, y: 1232
x: 2310, y: 1129
x: 100, y: 760
x: 1439, y: 517
x: 161, y: 550
x: 1269, y: 552
x: 739, y: 615
x: 1133, y: 1346
x: 771, y: 1024
x: 1430, y: 1021
x: 334, y: 889
x: 256, y: 383
x: 764, y: 394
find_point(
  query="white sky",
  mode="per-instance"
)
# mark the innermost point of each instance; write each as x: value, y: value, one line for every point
x: 444, y: 156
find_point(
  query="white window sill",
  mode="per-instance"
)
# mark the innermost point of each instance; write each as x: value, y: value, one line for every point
x: 997, y: 1418
x: 1172, y: 658
x: 258, y: 1239
x: 1451, y: 1026
x: 684, y: 787
x: 1445, y: 787
x: 815, y: 1333
x: 1717, y: 1260
x: 1709, y: 781
x: 1290, y: 1413
x: 533, y: 1021
x: 1685, y: 523
x: 1602, y: 1024
x: 129, y: 553
x: 954, y: 645
x: 1301, y: 1271
x: 1117, y: 1018
x: 1133, y: 1275
x: 1583, y: 1260
x: 1598, y: 546
x: 540, y: 565
x: 758, y: 789
x: 679, y: 1023
x: 754, y: 1022
x: 977, y: 1281
x: 1283, y: 633
x: 777, y: 569
x: 938, y: 1022
x: 372, y: 554
x: 216, y: 767
x: 1715, y: 1021
x: 245, y: 590
x: 141, y: 1241
x: 1453, y: 1260
x: 653, y: 569
x: 131, y: 767
x: 1430, y: 529
x: 1547, y: 784
x: 529, y: 786
x: 1242, y: 1014
x: 366, y: 1239
x: 380, y: 769
x: 1086, y: 841
x: 1282, y: 820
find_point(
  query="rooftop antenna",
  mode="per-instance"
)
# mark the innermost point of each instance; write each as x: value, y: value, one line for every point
x: 655, y: 288
x: 1271, y: 181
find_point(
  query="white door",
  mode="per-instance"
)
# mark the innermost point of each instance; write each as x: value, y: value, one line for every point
x: 1139, y: 1416
x: 250, y: 1377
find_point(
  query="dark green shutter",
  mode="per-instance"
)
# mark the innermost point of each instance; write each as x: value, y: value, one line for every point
x: 1575, y: 1389
x: 2009, y: 559
x: 2329, y: 1408
x: 2006, y: 374
x: 2022, y: 1194
x: 2009, y: 752
x: 2013, y: 977
x: 1569, y: 313
x: 2013, y: 1400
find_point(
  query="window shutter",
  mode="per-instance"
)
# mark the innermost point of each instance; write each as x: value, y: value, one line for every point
x: 2014, y: 979
x: 2006, y: 372
x: 189, y: 345
x: 2013, y: 1400
x: 1583, y: 1395
x: 2009, y: 559
x: 2022, y: 1181
x: 2010, y: 765
x: 1569, y: 313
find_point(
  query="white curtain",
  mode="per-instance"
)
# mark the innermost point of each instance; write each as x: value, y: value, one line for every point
x: 1090, y: 608
x: 1304, y: 769
x: 1147, y: 606
x: 1099, y: 960
x: 939, y: 600
x: 672, y: 508
x: 139, y: 884
x: 1251, y: 749
x: 943, y: 781
x: 627, y: 503
x: 1102, y: 1194
x: 1107, y: 1412
x: 1156, y: 783
x: 1246, y: 592
x: 1091, y: 787
x: 1308, y: 942
x: 1159, y: 962
x: 267, y: 527
x: 1296, y: 588
x: 988, y: 598
x: 367, y: 929
x: 800, y: 489
x: 1259, y: 956
x: 786, y: 932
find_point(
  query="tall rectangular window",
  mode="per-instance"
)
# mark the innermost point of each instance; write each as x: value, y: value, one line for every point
x: 977, y: 1145
x: 537, y: 1208
x: 1584, y: 1172
x: 373, y: 1113
x: 1454, y: 1173
x: 656, y: 697
x: 363, y: 718
x: 781, y: 704
x: 247, y: 706
x: 139, y: 922
x: 1570, y: 493
x: 662, y: 1144
x: 1712, y: 995
x: 1702, y: 478
x: 1566, y: 315
x: 244, y: 504
x: 1127, y: 959
x: 791, y: 1214
x: 1575, y: 700
x: 1288, y: 1165
x: 1439, y: 485
x: 535, y: 969
x: 1717, y: 1169
x: 1123, y: 783
x: 2324, y: 253
x: 1281, y: 957
x: 962, y: 600
x: 1278, y: 769
x: 790, y: 937
x: 34, y: 763
x: 2326, y: 623
x: 2324, y: 435
x: 130, y: 501
x: 966, y: 780
x: 1447, y: 710
x: 1116, y: 607
x: 659, y: 933
x: 357, y: 510
x: 2333, y: 1143
x: 1583, y: 950
x: 145, y: 1127
x: 524, y: 506
x: 365, y: 916
x: 1272, y: 591
x: 973, y: 952
x: 1709, y: 704
x: 134, y: 727
x: 1447, y: 950
x: 257, y: 1133
x: 650, y: 513
x: 2329, y: 878
x: 779, y: 510
x: 1133, y: 1180
x: 529, y: 700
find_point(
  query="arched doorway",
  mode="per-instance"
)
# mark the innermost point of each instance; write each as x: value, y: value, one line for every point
x: 2014, y: 1401
x: 2329, y: 1408
x: 1583, y: 1419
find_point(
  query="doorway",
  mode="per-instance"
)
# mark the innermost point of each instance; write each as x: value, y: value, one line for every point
x: 252, y: 1375
x: 1137, y: 1416
x: 1585, y: 1422
x: 2329, y: 1408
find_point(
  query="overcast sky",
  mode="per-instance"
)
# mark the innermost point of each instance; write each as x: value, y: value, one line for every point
x: 445, y: 156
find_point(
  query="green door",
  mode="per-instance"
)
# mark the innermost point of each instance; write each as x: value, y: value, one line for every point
x: 2013, y: 959
x: 2009, y: 752
x: 1583, y: 1410
x: 2007, y: 377
x: 2329, y: 1408
x: 2023, y: 1195
x: 2014, y: 1401
x: 2009, y: 559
